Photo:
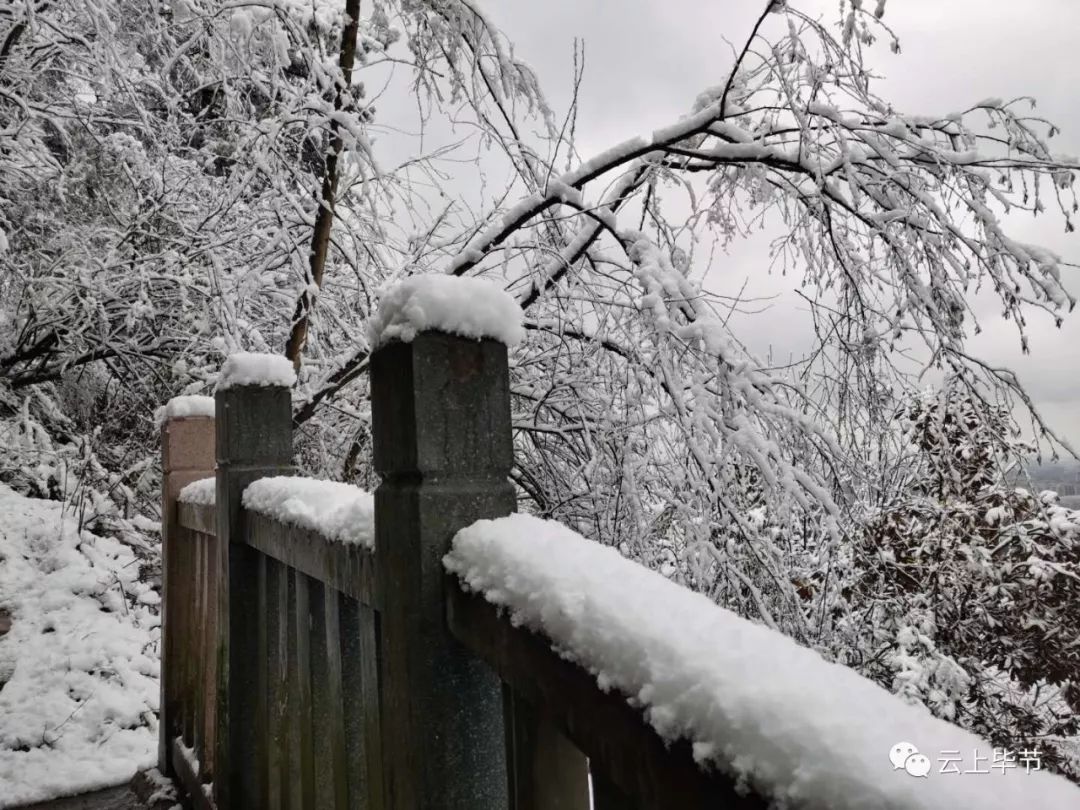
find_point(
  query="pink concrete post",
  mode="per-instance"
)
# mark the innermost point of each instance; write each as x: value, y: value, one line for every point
x: 187, y: 454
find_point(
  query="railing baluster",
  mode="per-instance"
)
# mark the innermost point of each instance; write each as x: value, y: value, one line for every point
x: 360, y: 684
x: 196, y: 639
x: 263, y: 737
x: 547, y: 772
x: 276, y: 619
x: 292, y: 698
x: 331, y: 785
x: 300, y: 678
x: 608, y: 797
x: 187, y: 599
x: 207, y: 755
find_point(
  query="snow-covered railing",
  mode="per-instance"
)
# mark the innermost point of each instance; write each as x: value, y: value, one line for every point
x: 195, y: 504
x: 270, y: 575
x: 321, y: 530
x: 314, y: 542
x: 420, y: 650
x: 279, y: 697
x: 681, y: 700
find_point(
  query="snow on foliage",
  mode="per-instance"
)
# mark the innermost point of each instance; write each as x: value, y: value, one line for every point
x: 339, y: 512
x: 145, y: 241
x: 79, y: 669
x: 470, y: 307
x: 201, y: 493
x: 970, y: 587
x: 184, y: 406
x: 251, y: 368
x: 752, y: 702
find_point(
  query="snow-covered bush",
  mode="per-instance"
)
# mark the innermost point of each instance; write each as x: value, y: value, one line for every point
x: 183, y: 180
x: 965, y: 592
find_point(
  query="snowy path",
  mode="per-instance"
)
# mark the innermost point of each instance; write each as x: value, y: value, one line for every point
x: 79, y: 667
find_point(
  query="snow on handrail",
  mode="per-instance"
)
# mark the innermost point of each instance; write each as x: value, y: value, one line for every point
x: 340, y: 512
x: 753, y: 703
x: 199, y: 493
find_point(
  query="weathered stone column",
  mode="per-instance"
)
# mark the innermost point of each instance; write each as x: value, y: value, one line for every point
x: 442, y: 441
x: 254, y: 440
x: 187, y: 454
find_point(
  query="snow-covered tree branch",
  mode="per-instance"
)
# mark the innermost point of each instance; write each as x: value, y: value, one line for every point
x: 185, y: 179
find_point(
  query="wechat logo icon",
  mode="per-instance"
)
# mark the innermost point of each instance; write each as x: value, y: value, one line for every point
x: 906, y: 756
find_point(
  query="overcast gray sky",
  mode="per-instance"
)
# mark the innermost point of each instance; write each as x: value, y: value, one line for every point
x: 646, y: 60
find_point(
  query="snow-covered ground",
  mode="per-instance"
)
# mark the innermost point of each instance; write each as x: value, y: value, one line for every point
x: 79, y: 668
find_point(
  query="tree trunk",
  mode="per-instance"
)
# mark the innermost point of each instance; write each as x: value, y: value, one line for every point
x: 324, y: 220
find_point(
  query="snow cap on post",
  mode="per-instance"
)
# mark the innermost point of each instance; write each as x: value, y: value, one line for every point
x: 184, y: 407
x: 263, y: 370
x: 469, y: 307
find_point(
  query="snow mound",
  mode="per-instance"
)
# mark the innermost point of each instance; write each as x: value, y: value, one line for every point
x: 754, y: 704
x: 79, y: 669
x: 201, y: 493
x: 180, y: 407
x: 340, y: 512
x: 249, y: 368
x: 470, y: 307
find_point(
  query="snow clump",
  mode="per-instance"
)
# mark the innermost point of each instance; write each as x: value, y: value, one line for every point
x: 470, y: 307
x: 183, y: 407
x: 753, y: 703
x: 340, y: 512
x: 249, y: 368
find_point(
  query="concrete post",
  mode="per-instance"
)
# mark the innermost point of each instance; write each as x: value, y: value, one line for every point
x: 254, y: 440
x: 187, y: 454
x: 442, y: 442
